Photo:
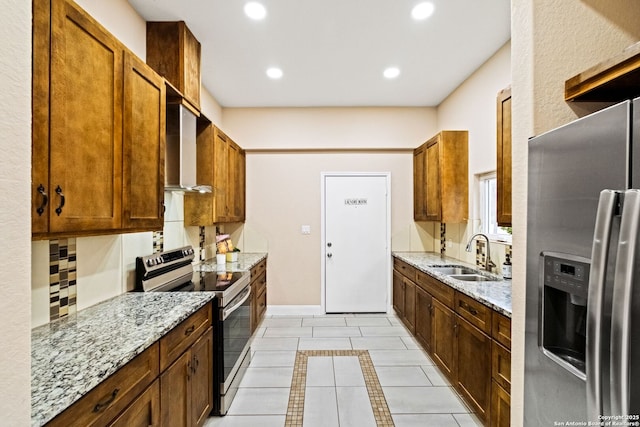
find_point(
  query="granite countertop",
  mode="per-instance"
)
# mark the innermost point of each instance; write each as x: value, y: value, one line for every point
x: 495, y: 293
x: 246, y: 261
x: 72, y: 355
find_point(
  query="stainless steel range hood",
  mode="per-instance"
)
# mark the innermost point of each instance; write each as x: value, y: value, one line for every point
x: 180, y: 156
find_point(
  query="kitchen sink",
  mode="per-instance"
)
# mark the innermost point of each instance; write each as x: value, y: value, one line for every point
x: 451, y: 270
x: 469, y: 277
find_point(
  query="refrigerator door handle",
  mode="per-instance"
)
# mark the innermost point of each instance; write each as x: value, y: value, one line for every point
x: 622, y: 303
x: 596, y: 300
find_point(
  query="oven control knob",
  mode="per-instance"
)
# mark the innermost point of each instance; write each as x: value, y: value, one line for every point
x: 159, y: 260
x: 150, y: 262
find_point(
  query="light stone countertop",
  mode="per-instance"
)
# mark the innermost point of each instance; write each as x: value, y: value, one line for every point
x: 72, y: 355
x: 495, y: 293
x: 246, y: 261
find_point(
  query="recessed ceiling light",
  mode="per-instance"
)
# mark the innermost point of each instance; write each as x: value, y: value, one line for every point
x: 391, y: 72
x: 422, y: 11
x: 255, y: 10
x: 274, y: 73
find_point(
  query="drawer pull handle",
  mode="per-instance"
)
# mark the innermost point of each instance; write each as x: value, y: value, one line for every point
x: 190, y: 330
x: 61, y: 205
x: 100, y: 406
x: 45, y: 200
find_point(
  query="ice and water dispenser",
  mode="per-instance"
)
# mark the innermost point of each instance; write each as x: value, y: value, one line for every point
x: 562, y: 329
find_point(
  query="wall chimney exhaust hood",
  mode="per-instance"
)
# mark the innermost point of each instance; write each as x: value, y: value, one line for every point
x: 180, y: 156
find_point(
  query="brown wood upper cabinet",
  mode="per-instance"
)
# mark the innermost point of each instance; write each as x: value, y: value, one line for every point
x: 174, y: 53
x: 220, y: 164
x: 504, y: 157
x: 441, y: 178
x: 86, y: 90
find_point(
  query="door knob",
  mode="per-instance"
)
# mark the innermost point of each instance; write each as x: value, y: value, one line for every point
x: 329, y: 255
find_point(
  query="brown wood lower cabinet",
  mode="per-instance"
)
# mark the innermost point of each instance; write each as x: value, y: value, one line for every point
x: 258, y: 294
x: 142, y: 393
x: 443, y: 338
x: 473, y: 360
x: 467, y: 340
x: 185, y: 395
x: 424, y: 313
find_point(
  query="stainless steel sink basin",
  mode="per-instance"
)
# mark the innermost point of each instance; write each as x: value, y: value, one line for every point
x: 469, y: 277
x: 451, y: 270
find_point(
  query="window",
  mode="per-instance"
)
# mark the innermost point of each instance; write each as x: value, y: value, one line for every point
x: 489, y: 210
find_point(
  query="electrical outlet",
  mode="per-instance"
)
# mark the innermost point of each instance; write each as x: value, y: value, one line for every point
x: 305, y: 229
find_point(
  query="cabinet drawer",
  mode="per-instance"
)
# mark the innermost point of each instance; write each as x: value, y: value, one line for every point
x: 502, y: 329
x: 501, y: 366
x: 404, y: 268
x: 258, y: 269
x: 184, y: 335
x: 259, y: 284
x: 103, y: 403
x: 436, y: 288
x: 476, y: 313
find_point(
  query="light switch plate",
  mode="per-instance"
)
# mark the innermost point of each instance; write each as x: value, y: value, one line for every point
x: 305, y: 229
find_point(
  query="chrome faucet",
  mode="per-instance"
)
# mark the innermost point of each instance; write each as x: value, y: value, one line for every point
x: 488, y: 264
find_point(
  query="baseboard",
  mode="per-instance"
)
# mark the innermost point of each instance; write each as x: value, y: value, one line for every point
x: 294, y: 310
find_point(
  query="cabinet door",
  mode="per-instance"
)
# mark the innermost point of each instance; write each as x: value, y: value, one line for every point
x: 443, y: 338
x: 409, y: 305
x: 500, y: 407
x: 202, y: 378
x: 221, y: 189
x: 423, y: 318
x: 503, y: 172
x: 144, y: 411
x: 143, y: 146
x: 419, y: 187
x: 432, y: 173
x: 175, y: 393
x: 40, y: 194
x: 233, y: 184
x: 398, y: 293
x: 473, y: 362
x: 86, y: 123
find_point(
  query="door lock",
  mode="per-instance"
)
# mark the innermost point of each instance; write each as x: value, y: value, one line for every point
x: 329, y: 244
x: 329, y: 255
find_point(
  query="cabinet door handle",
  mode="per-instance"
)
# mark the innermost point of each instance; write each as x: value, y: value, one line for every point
x: 190, y: 330
x: 61, y: 205
x: 189, y: 369
x: 45, y: 199
x: 100, y: 406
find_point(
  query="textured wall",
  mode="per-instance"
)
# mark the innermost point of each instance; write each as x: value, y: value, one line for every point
x: 15, y: 222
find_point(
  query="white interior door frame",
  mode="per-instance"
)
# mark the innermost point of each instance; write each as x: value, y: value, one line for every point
x: 323, y: 243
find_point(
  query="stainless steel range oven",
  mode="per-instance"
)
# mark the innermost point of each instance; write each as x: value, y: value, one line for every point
x: 172, y: 271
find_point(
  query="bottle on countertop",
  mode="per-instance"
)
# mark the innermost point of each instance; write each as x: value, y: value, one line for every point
x: 506, y: 268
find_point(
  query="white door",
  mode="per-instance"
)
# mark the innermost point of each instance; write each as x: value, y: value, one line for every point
x: 356, y: 247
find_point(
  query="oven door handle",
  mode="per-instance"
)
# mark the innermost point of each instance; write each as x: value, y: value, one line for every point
x: 227, y: 311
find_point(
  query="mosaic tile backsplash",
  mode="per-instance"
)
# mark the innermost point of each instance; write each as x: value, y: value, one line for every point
x: 62, y: 278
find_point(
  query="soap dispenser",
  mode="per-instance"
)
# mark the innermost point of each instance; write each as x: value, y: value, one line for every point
x: 506, y: 268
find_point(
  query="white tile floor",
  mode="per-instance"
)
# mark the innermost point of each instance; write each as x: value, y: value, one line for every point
x: 335, y: 395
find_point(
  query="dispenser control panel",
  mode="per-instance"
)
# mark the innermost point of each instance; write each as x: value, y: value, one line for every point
x: 569, y: 275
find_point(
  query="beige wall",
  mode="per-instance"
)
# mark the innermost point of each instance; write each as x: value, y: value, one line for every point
x: 15, y: 222
x: 283, y: 186
x: 552, y: 40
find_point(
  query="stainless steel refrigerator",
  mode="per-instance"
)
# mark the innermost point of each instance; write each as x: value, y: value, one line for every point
x: 582, y: 339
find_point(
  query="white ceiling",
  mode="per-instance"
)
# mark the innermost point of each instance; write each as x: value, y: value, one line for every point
x: 333, y: 52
